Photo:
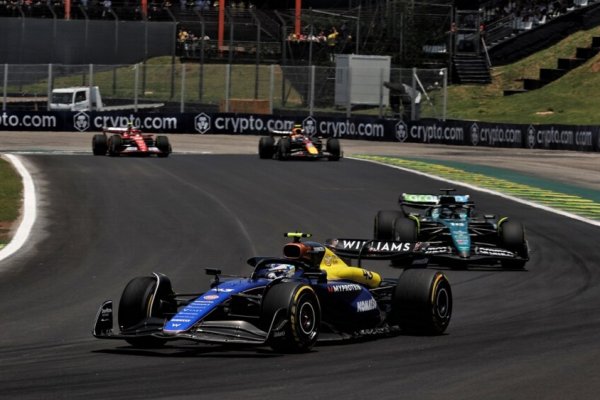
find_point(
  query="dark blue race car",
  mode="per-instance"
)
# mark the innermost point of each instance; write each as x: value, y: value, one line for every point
x: 452, y: 233
x: 288, y: 303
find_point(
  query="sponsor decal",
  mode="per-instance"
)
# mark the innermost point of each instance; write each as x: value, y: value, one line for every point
x: 395, y: 247
x: 225, y: 290
x: 180, y: 320
x: 330, y: 260
x: 344, y: 288
x: 487, y: 251
x: 437, y: 250
x: 202, y: 123
x: 401, y: 131
x: 420, y: 198
x: 366, y: 305
x: 211, y: 297
x: 81, y: 121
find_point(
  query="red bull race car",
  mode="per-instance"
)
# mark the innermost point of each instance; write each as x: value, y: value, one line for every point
x: 130, y: 141
x: 297, y: 144
x: 288, y: 303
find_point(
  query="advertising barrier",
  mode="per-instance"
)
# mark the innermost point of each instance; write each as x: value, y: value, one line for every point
x: 451, y: 132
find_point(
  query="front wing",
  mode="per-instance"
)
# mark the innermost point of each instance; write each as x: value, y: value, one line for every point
x: 217, y: 332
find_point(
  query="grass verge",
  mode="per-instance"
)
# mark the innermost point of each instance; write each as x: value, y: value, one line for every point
x: 11, y: 193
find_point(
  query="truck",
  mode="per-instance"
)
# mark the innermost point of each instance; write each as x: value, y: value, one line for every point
x: 88, y: 98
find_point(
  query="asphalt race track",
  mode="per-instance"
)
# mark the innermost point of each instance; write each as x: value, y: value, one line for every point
x: 514, y: 335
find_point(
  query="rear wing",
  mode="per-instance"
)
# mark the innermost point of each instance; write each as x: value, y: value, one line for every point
x: 424, y: 201
x: 274, y: 132
x: 372, y: 249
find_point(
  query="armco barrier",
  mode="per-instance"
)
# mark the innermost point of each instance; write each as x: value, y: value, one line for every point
x: 453, y: 132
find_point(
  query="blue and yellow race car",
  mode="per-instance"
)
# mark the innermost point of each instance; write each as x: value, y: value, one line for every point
x: 288, y: 303
x: 452, y: 233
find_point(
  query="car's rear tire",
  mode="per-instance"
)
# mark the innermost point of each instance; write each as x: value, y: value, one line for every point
x: 114, y: 145
x: 163, y: 144
x: 284, y: 147
x: 383, y: 228
x: 422, y: 302
x: 99, y: 145
x: 299, y: 317
x: 334, y: 149
x: 137, y: 304
x: 512, y: 237
x: 405, y: 230
x: 266, y: 147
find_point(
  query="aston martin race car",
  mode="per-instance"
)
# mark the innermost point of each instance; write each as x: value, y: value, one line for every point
x: 296, y: 144
x: 130, y: 141
x: 288, y: 303
x: 452, y: 233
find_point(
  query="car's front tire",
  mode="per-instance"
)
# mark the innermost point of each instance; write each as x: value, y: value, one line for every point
x: 512, y: 237
x: 137, y: 305
x: 284, y: 148
x: 163, y: 144
x: 266, y: 147
x: 334, y: 149
x: 99, y: 145
x: 422, y: 302
x: 114, y: 145
x: 293, y: 310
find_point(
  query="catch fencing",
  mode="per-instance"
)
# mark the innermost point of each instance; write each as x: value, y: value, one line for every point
x: 397, y: 93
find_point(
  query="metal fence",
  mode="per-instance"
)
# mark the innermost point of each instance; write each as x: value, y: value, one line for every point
x: 189, y: 87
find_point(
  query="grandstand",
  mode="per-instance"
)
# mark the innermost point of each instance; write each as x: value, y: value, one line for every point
x: 466, y: 36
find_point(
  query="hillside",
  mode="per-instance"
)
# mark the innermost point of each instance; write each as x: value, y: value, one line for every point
x: 573, y: 99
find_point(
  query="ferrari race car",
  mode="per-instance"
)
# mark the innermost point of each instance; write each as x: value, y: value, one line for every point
x: 451, y: 232
x: 129, y: 140
x: 288, y: 303
x: 296, y: 144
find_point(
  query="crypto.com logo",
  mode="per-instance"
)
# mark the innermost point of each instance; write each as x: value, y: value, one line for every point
x: 474, y: 134
x: 310, y: 126
x: 81, y: 121
x: 401, y: 131
x: 202, y: 123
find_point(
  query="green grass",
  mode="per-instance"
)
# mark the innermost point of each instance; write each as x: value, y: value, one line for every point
x: 573, y: 99
x: 11, y: 190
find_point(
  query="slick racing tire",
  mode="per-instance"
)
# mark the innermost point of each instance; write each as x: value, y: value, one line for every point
x: 334, y: 149
x: 284, y: 148
x: 266, y: 147
x: 99, y: 145
x: 512, y: 237
x: 137, y: 304
x: 383, y: 228
x: 114, y: 145
x: 162, y: 143
x: 292, y: 311
x: 422, y: 302
x: 405, y: 230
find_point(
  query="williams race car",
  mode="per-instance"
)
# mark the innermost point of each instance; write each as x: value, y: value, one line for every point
x: 296, y: 144
x: 288, y: 303
x: 129, y: 140
x: 452, y: 233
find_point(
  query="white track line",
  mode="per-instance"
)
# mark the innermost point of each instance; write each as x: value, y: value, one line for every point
x: 29, y: 209
x: 492, y: 192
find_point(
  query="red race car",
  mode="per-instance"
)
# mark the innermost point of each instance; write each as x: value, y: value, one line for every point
x: 130, y: 140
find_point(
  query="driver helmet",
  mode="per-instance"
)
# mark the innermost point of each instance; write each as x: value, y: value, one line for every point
x: 297, y: 130
x: 278, y: 270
